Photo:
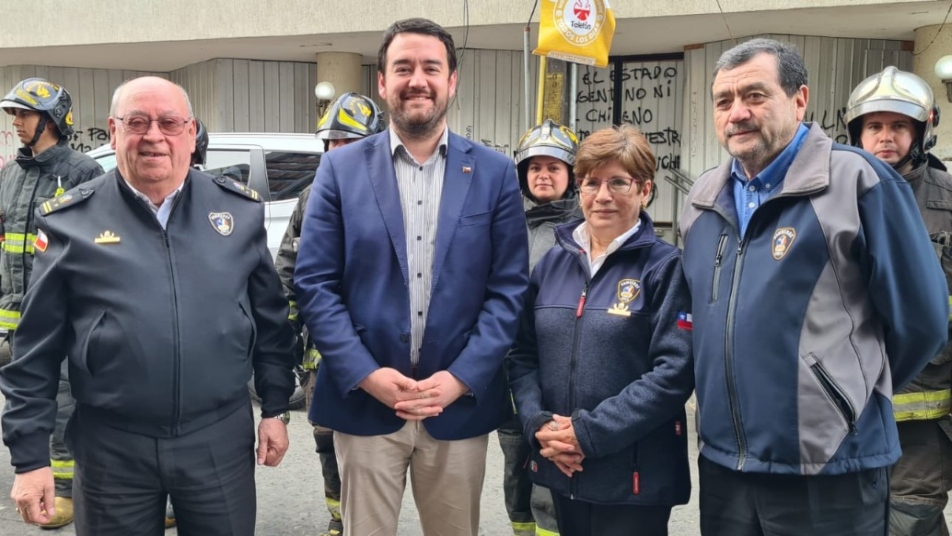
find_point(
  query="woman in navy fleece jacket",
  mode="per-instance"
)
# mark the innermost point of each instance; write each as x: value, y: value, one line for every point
x: 602, y: 366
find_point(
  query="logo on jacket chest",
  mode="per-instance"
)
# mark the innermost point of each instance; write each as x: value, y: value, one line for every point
x: 222, y: 222
x: 628, y: 290
x: 783, y: 239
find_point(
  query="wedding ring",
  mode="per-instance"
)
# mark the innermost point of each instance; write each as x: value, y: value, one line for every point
x: 553, y: 426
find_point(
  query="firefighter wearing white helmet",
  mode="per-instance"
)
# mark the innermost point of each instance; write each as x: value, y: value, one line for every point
x: 892, y: 115
x: 350, y: 118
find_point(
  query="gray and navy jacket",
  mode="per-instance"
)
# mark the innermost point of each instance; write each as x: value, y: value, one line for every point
x: 162, y: 327
x: 614, y: 353
x: 805, y: 325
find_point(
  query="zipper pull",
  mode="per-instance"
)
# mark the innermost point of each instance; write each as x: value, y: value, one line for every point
x: 636, y: 482
x: 581, y: 302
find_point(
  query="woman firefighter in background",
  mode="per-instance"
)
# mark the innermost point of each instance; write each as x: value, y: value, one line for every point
x: 544, y: 159
x: 350, y: 118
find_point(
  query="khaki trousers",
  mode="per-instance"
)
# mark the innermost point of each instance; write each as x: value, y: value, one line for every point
x: 446, y: 478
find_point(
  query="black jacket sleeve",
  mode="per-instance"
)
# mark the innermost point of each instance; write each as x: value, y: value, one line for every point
x: 30, y: 382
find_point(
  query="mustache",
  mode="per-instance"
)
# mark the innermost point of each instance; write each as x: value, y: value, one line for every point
x: 417, y: 93
x: 741, y: 127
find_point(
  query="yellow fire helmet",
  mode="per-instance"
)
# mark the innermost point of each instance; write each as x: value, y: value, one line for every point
x: 899, y: 92
x: 45, y: 97
x: 351, y: 116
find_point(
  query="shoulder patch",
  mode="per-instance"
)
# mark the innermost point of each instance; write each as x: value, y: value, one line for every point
x: 73, y: 197
x: 234, y: 186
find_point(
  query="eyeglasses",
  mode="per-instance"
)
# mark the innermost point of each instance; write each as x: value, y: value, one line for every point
x: 170, y: 126
x: 617, y: 185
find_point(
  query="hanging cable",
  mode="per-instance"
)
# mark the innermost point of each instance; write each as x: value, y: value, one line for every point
x: 723, y: 16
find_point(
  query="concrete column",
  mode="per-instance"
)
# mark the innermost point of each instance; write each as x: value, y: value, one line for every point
x: 923, y: 65
x: 341, y: 69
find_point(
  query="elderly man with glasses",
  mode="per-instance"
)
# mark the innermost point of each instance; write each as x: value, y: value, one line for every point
x: 153, y: 279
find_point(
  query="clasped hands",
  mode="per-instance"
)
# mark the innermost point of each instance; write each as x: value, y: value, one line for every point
x: 559, y: 444
x: 413, y: 400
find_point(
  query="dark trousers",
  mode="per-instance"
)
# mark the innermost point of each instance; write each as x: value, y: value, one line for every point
x: 751, y: 504
x: 516, y: 484
x: 579, y: 518
x: 921, y: 479
x: 122, y: 479
x: 60, y: 458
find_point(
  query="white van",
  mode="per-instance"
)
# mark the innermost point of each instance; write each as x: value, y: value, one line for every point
x: 278, y: 166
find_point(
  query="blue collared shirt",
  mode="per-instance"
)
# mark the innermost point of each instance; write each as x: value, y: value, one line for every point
x: 749, y: 195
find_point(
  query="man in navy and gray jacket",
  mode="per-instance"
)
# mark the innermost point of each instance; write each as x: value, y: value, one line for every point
x: 807, y: 311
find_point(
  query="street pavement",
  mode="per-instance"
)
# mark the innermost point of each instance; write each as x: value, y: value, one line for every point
x: 290, y: 497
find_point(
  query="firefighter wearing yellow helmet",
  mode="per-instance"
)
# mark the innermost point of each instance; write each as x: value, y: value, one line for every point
x: 350, y: 118
x: 45, y: 166
x: 892, y: 115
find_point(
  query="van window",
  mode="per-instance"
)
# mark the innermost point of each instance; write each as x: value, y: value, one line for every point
x: 234, y: 164
x: 290, y: 173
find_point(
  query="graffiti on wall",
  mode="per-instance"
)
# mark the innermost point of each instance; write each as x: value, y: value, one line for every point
x: 9, y: 142
x: 650, y: 94
x: 87, y: 140
x: 82, y: 140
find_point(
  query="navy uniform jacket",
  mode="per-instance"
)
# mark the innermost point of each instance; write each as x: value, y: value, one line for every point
x: 162, y: 327
x: 351, y: 282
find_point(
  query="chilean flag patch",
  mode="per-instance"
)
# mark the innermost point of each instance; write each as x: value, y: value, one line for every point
x: 40, y: 242
x: 686, y: 321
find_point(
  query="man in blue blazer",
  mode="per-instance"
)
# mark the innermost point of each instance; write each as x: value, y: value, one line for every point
x: 412, y: 266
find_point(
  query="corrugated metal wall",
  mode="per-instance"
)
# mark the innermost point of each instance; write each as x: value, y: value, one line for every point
x: 488, y: 106
x: 234, y: 95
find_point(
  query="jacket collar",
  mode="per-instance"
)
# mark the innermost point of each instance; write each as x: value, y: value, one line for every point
x: 809, y: 173
x: 644, y: 237
x: 460, y: 169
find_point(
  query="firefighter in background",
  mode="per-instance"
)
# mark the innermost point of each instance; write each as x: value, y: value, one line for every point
x: 350, y: 118
x: 544, y: 159
x: 892, y: 115
x: 44, y: 168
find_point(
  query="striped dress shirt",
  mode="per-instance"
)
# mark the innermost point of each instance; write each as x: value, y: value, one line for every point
x: 420, y: 186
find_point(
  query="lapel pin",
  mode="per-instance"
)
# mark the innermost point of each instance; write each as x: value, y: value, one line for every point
x: 107, y: 237
x: 467, y: 169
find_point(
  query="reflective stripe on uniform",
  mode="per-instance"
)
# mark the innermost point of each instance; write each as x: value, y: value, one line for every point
x: 18, y: 243
x: 523, y: 529
x: 293, y: 314
x: 62, y: 470
x: 950, y: 308
x: 543, y: 532
x: 312, y: 358
x: 9, y: 318
x: 333, y: 506
x: 922, y: 406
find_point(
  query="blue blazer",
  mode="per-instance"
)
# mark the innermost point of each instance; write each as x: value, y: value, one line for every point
x: 351, y: 283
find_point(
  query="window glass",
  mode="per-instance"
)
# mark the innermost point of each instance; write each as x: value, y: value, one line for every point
x: 107, y: 162
x: 234, y: 164
x: 290, y: 173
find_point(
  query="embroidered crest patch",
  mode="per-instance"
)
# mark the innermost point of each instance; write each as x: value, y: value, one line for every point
x: 222, y: 222
x: 783, y: 239
x: 628, y: 290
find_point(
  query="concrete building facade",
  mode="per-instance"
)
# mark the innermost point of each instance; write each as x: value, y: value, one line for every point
x: 252, y: 66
